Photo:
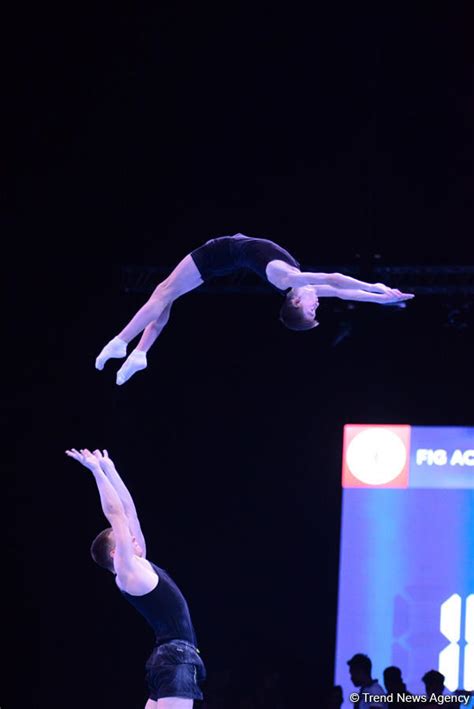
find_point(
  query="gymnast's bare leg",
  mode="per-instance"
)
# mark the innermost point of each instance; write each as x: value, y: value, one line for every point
x: 151, y: 318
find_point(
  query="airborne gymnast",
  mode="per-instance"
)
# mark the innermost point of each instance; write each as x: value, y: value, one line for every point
x: 222, y: 256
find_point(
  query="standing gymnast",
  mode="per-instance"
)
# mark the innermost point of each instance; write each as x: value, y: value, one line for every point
x: 174, y: 668
x: 225, y: 255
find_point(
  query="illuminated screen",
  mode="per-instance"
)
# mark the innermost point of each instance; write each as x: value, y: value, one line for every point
x: 406, y: 580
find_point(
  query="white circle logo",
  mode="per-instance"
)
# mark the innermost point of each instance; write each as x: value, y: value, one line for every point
x: 376, y: 456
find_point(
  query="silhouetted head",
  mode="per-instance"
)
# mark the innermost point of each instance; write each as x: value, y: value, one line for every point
x: 360, y: 669
x: 298, y: 311
x: 392, y: 679
x: 103, y: 549
x: 433, y: 681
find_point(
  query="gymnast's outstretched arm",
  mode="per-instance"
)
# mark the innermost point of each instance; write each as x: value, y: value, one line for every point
x: 389, y: 295
x: 285, y: 276
x: 336, y: 280
x: 111, y: 507
x: 133, y: 576
x: 109, y: 498
x: 108, y: 467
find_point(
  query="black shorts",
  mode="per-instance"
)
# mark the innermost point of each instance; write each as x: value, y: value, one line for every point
x: 175, y: 669
x: 216, y: 257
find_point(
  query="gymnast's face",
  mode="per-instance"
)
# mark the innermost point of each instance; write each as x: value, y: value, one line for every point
x: 306, y: 299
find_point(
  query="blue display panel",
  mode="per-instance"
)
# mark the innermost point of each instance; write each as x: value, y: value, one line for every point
x: 406, y: 584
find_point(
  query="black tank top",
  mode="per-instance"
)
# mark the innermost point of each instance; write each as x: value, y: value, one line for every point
x: 165, y: 609
x: 226, y: 254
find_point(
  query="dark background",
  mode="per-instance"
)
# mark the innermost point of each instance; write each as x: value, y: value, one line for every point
x: 344, y: 134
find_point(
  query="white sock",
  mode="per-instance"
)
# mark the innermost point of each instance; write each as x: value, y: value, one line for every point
x: 116, y: 348
x: 135, y: 361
